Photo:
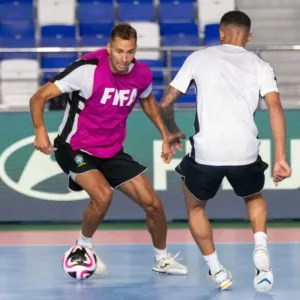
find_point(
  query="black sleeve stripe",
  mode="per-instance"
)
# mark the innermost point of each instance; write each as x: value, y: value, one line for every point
x: 74, y: 66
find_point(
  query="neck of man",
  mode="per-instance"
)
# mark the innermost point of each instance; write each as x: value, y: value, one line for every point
x: 235, y: 37
x: 234, y: 42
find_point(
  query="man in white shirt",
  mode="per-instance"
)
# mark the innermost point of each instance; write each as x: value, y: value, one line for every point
x: 228, y: 81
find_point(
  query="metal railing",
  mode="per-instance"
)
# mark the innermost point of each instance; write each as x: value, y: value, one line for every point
x: 165, y: 52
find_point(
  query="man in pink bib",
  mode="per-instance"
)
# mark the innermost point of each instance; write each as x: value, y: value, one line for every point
x: 104, y: 86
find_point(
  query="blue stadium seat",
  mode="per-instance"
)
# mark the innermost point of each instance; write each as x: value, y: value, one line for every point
x: 58, y: 36
x: 90, y: 11
x: 181, y: 40
x: 157, y: 93
x: 177, y: 62
x: 211, y: 35
x: 136, y: 10
x: 172, y: 11
x: 158, y: 76
x: 179, y: 28
x: 94, y: 35
x: 55, y: 61
x: 17, y: 35
x: 157, y: 69
x: 177, y: 34
x: 16, y: 11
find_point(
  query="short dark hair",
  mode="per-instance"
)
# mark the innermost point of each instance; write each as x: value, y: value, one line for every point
x: 124, y: 31
x: 236, y: 18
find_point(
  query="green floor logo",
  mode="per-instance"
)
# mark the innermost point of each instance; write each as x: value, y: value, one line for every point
x: 38, y: 168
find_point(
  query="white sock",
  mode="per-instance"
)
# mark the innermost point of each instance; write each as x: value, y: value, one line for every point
x: 84, y: 241
x: 260, y: 239
x: 159, y: 254
x: 213, y: 263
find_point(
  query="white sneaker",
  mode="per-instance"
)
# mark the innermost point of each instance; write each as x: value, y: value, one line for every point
x: 101, y: 267
x: 263, y: 278
x: 223, y: 279
x: 169, y: 265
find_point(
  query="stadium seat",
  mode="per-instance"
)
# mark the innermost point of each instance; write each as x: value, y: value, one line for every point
x: 58, y: 36
x: 176, y: 34
x: 212, y: 35
x: 136, y: 10
x: 17, y: 35
x: 16, y: 11
x: 157, y: 67
x: 19, y: 79
x: 95, y: 34
x: 148, y: 37
x: 176, y: 11
x: 54, y: 63
x: 54, y: 12
x: 211, y: 11
x: 90, y: 11
x: 179, y: 28
x: 158, y: 93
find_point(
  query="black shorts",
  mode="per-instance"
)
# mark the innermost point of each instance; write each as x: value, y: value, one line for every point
x: 203, y: 181
x: 116, y: 170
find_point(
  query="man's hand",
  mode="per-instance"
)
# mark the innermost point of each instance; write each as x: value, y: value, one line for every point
x: 167, y: 152
x: 174, y: 140
x: 42, y: 141
x: 281, y: 171
x: 168, y: 147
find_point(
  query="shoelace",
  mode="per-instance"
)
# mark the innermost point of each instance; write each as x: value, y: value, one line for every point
x: 172, y: 258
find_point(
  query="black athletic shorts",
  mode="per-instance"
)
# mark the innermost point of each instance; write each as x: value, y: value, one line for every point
x: 203, y: 181
x: 116, y: 170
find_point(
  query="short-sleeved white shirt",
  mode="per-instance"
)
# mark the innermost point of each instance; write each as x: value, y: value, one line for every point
x: 228, y: 82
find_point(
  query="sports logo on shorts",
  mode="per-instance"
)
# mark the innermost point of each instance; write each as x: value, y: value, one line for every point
x: 79, y: 160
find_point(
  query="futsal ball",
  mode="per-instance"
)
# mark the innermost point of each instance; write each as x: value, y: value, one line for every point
x: 79, y: 262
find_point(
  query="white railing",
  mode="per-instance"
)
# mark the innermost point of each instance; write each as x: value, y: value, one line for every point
x: 165, y: 51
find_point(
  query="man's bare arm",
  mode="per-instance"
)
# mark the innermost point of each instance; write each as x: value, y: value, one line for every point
x: 277, y: 121
x: 166, y: 109
x: 38, y: 100
x: 37, y: 106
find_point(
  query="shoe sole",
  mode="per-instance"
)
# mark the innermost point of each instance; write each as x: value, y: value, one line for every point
x: 225, y: 285
x: 157, y: 271
x: 264, y: 283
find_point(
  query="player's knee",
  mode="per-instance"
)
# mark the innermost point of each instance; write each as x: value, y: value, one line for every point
x: 196, y: 212
x: 154, y: 207
x: 102, y: 198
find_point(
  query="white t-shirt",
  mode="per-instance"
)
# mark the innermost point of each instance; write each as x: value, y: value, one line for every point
x: 228, y: 82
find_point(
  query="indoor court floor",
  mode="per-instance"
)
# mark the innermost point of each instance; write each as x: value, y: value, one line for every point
x: 31, y: 266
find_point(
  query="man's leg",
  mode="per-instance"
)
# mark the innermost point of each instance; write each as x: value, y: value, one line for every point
x: 100, y: 192
x: 202, y: 233
x: 140, y: 190
x: 257, y: 212
x: 248, y: 182
x: 83, y: 174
